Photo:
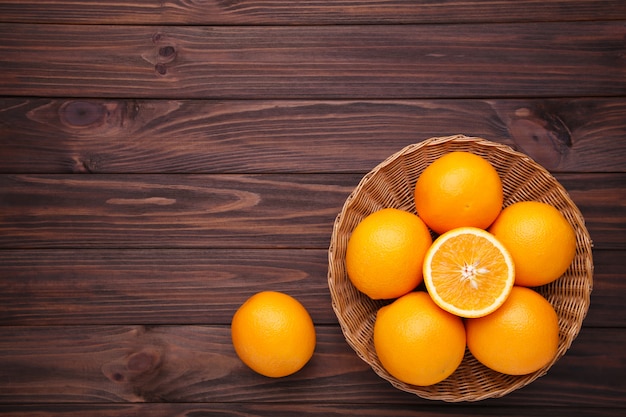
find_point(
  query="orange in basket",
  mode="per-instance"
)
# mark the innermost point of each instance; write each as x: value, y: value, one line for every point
x: 417, y: 341
x: 540, y: 240
x: 456, y: 190
x: 468, y: 272
x: 520, y: 337
x: 385, y: 253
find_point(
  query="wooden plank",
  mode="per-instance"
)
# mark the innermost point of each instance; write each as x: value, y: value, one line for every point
x: 220, y: 12
x: 169, y: 211
x: 170, y: 286
x: 223, y: 211
x: 406, y: 61
x: 608, y: 290
x: 102, y: 364
x: 591, y: 200
x: 304, y: 409
x: 135, y: 136
x: 65, y: 287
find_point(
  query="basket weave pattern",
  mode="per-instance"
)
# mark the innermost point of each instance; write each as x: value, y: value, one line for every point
x: 391, y: 184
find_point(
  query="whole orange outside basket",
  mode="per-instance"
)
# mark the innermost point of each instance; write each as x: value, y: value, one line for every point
x: 391, y: 184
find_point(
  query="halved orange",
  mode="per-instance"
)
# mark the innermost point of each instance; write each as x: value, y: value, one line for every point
x: 468, y: 272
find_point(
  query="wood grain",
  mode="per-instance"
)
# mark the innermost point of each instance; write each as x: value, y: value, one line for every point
x: 148, y: 211
x: 155, y: 286
x: 136, y: 136
x: 223, y: 211
x: 305, y: 12
x: 172, y: 286
x: 398, y: 61
x: 103, y: 364
x: 305, y: 409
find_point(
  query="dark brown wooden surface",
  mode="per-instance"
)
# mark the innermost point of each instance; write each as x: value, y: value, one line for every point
x: 162, y: 161
x: 276, y: 12
x: 339, y: 61
x: 285, y: 136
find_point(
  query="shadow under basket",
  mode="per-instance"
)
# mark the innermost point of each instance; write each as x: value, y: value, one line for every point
x: 391, y: 184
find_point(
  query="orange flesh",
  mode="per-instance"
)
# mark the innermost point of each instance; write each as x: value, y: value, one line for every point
x: 469, y: 272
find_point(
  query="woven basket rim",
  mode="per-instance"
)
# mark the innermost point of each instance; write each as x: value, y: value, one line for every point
x: 571, y: 293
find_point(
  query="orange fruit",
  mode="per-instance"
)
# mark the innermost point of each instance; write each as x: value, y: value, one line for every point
x: 458, y: 189
x: 385, y: 252
x: 540, y: 240
x: 416, y: 341
x: 273, y: 334
x: 520, y: 337
x: 468, y: 272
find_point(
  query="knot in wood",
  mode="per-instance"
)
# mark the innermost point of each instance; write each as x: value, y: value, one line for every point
x: 157, y: 37
x: 83, y: 113
x: 167, y: 51
x: 137, y: 367
x: 160, y: 69
x: 541, y: 135
x: 142, y: 361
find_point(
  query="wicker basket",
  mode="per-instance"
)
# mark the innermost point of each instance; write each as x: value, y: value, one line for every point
x: 391, y: 184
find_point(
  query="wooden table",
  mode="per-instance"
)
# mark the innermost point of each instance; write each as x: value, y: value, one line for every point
x: 160, y: 162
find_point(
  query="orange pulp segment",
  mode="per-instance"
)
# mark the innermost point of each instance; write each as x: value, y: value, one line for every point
x: 468, y: 272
